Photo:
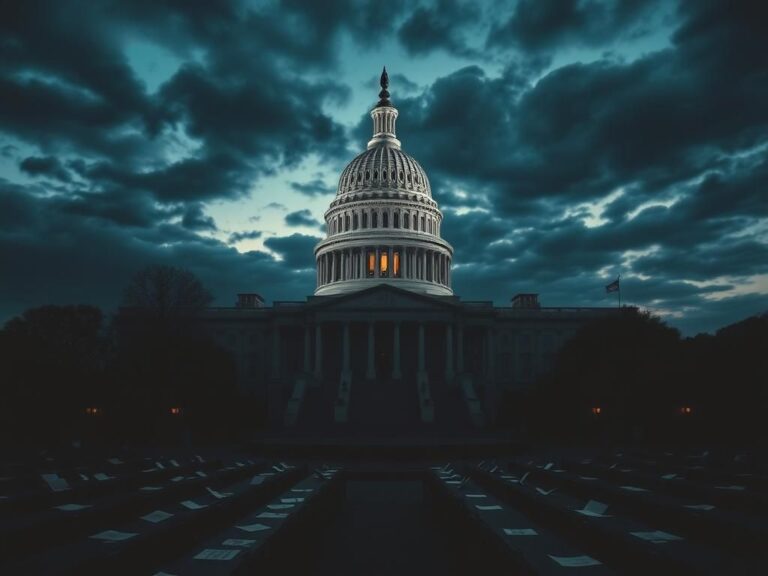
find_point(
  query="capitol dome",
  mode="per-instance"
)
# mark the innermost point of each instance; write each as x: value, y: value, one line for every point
x: 383, y: 225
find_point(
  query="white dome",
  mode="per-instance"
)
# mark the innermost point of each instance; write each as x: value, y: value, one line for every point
x: 383, y: 168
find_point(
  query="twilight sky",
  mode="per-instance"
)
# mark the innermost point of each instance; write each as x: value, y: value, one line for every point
x: 566, y: 142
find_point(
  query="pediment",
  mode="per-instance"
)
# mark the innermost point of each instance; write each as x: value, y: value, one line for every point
x: 385, y: 297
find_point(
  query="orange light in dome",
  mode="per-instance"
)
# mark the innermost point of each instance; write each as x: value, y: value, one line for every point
x: 686, y: 410
x: 175, y: 411
x: 92, y: 411
x: 596, y: 410
x: 384, y: 262
x: 371, y: 263
x: 396, y: 264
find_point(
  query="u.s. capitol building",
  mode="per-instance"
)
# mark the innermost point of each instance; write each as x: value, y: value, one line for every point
x: 384, y: 345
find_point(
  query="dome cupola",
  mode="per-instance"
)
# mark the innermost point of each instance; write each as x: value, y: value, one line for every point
x: 383, y: 225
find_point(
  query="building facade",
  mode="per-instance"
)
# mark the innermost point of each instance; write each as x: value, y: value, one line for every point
x: 384, y: 345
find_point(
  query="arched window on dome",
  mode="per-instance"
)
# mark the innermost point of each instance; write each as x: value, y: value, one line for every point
x: 367, y: 175
x: 430, y: 225
x: 359, y: 177
x: 393, y: 175
x: 383, y: 174
x: 416, y: 221
x: 354, y: 221
x: 346, y: 223
x: 401, y: 175
x: 375, y: 174
x: 384, y: 263
x: 365, y: 219
x: 396, y: 263
x: 423, y: 223
x: 374, y: 219
x: 408, y: 177
x: 406, y: 218
x: 385, y: 220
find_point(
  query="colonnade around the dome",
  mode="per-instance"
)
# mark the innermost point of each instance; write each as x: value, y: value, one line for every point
x: 406, y: 262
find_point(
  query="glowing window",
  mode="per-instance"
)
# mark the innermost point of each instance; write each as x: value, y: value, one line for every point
x: 384, y: 263
x: 371, y: 263
x: 396, y: 264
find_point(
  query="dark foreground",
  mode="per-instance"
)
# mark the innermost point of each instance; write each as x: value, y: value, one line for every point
x: 659, y: 511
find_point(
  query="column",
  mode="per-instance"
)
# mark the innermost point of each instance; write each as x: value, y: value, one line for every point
x: 345, y: 364
x: 390, y: 264
x: 460, y: 348
x: 422, y: 363
x: 275, y: 352
x: 376, y: 263
x: 449, y: 352
x: 423, y: 264
x: 333, y: 266
x: 318, y: 351
x: 370, y: 372
x: 307, y: 345
x: 396, y: 374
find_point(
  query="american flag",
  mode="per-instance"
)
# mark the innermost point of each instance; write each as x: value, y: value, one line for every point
x: 613, y: 286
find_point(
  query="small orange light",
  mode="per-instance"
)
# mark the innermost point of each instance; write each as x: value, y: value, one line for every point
x: 686, y: 410
x: 596, y: 410
x: 175, y: 410
x: 92, y: 411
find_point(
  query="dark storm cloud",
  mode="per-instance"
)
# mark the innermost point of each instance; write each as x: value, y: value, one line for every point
x: 301, y: 218
x: 48, y: 166
x: 312, y: 188
x: 296, y: 250
x: 240, y: 236
x: 195, y: 219
x: 441, y: 25
x: 545, y: 24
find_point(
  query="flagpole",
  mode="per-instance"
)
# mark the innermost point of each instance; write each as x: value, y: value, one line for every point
x: 619, y: 281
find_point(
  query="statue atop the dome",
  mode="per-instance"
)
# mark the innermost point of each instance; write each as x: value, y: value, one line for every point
x: 384, y: 94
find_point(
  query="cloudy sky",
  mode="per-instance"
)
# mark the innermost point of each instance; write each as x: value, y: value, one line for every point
x: 566, y: 141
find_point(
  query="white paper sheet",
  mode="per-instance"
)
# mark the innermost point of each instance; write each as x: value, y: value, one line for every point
x: 302, y: 489
x: 157, y: 516
x: 55, y: 483
x: 218, y: 495
x: 100, y: 476
x: 475, y: 495
x: 587, y: 477
x: 242, y: 542
x: 522, y: 480
x: 491, y: 507
x: 151, y: 488
x: 656, y: 536
x: 159, y: 465
x: 113, y: 536
x: 279, y: 506
x: 705, y: 507
x: 520, y: 532
x: 272, y: 515
x: 732, y: 487
x: 177, y: 478
x: 192, y: 505
x: 575, y: 561
x: 669, y: 476
x: 544, y: 492
x: 634, y: 489
x: 254, y: 527
x: 217, y: 554
x: 175, y: 464
x: 594, y: 508
x: 549, y: 465
x: 201, y: 474
x: 256, y: 480
x: 291, y: 500
x: 73, y: 507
